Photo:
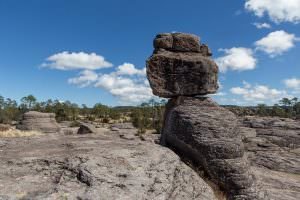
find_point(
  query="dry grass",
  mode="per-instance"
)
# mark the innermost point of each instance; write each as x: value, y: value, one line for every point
x: 18, y: 133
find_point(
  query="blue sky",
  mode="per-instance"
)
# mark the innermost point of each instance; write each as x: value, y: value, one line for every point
x: 90, y: 51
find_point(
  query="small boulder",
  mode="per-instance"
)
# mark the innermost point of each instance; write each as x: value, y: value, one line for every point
x: 86, y: 129
x: 184, y: 42
x: 180, y: 42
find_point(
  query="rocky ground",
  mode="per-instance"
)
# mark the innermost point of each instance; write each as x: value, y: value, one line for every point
x: 117, y: 164
x: 273, y: 149
x: 107, y: 165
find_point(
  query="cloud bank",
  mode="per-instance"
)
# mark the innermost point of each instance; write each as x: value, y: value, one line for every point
x: 258, y: 93
x: 277, y: 10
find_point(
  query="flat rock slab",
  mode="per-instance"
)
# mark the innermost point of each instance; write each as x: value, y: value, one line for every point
x: 95, y: 167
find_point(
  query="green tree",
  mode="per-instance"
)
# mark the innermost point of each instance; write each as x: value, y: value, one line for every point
x: 28, y: 102
x: 2, y: 101
x: 262, y: 109
x: 285, y: 102
x: 100, y: 110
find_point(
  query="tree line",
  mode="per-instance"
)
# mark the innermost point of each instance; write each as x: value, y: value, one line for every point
x: 10, y: 110
x: 148, y: 115
x: 285, y: 108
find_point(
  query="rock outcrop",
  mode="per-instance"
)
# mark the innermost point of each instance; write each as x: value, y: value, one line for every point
x: 37, y: 121
x: 272, y: 146
x: 181, y: 66
x: 196, y: 127
x: 95, y: 166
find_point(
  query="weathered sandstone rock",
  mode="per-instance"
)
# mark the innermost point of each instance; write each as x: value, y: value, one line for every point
x: 95, y: 167
x: 37, y: 121
x: 180, y: 42
x: 180, y: 66
x: 274, y: 154
x: 207, y: 134
x: 174, y: 74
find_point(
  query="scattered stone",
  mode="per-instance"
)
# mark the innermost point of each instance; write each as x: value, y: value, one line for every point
x: 37, y: 121
x: 127, y: 136
x: 114, y: 129
x: 86, y: 128
x: 123, y: 126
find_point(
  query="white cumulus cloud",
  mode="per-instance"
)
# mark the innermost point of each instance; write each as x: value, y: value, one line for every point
x: 84, y: 79
x: 276, y: 43
x: 277, y: 10
x: 292, y: 83
x: 73, y: 61
x: 127, y: 90
x: 262, y: 25
x: 236, y: 59
x: 258, y: 93
x: 126, y: 82
x: 129, y: 69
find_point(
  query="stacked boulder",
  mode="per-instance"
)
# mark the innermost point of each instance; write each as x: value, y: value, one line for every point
x: 37, y: 121
x: 195, y: 126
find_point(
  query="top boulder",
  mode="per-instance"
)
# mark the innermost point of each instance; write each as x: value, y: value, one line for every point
x: 180, y: 42
x: 181, y: 66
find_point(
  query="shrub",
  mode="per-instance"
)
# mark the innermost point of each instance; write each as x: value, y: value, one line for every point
x: 75, y: 124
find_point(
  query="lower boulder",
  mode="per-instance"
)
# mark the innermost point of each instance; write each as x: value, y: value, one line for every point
x: 208, y: 135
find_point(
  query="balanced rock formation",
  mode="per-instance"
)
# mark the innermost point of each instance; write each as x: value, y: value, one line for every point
x: 37, y: 121
x: 181, y: 66
x: 196, y: 127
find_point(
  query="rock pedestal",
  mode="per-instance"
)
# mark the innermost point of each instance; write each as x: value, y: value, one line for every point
x: 195, y: 127
x: 37, y: 121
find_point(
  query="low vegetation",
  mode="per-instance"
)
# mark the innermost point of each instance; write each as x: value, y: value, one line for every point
x: 285, y: 108
x: 145, y: 116
x: 18, y: 133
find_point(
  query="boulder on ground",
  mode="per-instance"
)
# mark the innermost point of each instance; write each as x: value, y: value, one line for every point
x: 37, y: 121
x: 86, y: 128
